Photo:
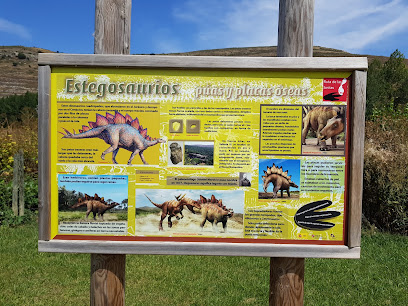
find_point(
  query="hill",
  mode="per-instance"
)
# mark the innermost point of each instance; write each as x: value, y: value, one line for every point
x: 18, y: 64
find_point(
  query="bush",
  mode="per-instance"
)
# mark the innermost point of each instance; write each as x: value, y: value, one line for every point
x: 385, y: 191
x: 21, y: 55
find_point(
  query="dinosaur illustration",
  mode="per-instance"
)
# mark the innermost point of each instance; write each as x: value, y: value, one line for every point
x: 95, y: 204
x: 334, y: 127
x: 214, y: 211
x: 172, y: 208
x: 280, y: 180
x: 119, y: 132
x: 316, y: 119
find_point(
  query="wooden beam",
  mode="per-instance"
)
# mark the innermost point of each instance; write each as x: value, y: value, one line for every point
x: 199, y: 248
x: 287, y: 277
x: 295, y: 29
x: 356, y: 163
x: 295, y: 39
x: 112, y: 36
x: 44, y: 195
x: 107, y: 279
x: 112, y: 26
x: 205, y: 62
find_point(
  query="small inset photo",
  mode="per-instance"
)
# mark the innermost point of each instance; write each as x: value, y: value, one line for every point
x: 199, y: 153
x: 245, y: 179
x: 176, y: 153
x: 279, y: 179
x: 92, y: 204
x: 323, y: 130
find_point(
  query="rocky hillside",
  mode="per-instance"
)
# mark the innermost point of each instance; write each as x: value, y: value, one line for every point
x: 18, y: 69
x: 18, y: 65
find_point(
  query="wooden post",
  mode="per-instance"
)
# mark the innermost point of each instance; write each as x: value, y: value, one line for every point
x: 295, y: 39
x: 112, y: 26
x: 108, y: 279
x: 295, y: 29
x: 112, y: 36
x: 18, y: 184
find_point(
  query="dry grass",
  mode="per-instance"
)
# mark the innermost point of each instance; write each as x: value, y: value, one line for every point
x: 385, y: 198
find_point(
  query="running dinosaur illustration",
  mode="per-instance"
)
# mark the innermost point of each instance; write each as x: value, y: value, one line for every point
x: 119, y: 132
x: 280, y: 180
x: 172, y: 208
x: 95, y: 204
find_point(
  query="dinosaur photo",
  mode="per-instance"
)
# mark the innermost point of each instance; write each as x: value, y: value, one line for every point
x: 119, y: 132
x: 95, y: 204
x: 320, y: 117
x: 280, y: 180
x: 214, y: 211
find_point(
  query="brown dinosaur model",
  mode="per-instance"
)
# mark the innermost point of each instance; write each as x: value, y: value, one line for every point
x: 119, y: 132
x: 214, y: 211
x: 334, y: 127
x: 280, y: 180
x: 316, y: 119
x: 172, y: 208
x: 95, y: 204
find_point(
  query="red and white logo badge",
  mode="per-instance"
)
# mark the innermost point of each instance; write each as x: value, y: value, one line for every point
x: 335, y: 89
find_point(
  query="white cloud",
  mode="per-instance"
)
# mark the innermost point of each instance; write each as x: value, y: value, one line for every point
x: 14, y: 29
x: 348, y: 25
x: 232, y: 23
x: 354, y: 25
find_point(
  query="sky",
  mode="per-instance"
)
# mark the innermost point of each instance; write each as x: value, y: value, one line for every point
x: 375, y: 27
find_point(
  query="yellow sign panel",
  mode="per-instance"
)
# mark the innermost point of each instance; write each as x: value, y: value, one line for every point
x: 199, y: 154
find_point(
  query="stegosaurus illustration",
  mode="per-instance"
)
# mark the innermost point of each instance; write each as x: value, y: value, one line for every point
x: 119, y: 132
x: 279, y: 178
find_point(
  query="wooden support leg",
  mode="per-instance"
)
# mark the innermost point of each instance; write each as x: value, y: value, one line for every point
x: 286, y: 281
x: 107, y: 279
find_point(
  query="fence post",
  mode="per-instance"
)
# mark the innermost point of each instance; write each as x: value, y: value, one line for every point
x: 18, y: 184
x: 295, y: 39
x: 112, y: 36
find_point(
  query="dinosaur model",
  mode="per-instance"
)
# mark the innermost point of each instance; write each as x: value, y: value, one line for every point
x: 172, y: 208
x: 280, y: 180
x: 119, y: 132
x: 316, y: 119
x: 95, y: 204
x: 214, y: 211
x: 334, y: 126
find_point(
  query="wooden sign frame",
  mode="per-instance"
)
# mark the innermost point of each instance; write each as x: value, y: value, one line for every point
x: 356, y: 65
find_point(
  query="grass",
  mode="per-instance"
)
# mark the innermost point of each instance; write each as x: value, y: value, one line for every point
x: 31, y: 278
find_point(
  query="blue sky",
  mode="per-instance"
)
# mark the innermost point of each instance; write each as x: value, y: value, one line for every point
x: 291, y: 165
x: 107, y: 186
x: 375, y: 27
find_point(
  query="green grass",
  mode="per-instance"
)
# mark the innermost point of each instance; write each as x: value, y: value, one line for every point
x: 31, y: 278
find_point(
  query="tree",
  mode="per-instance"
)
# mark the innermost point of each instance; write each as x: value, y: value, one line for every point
x: 387, y: 86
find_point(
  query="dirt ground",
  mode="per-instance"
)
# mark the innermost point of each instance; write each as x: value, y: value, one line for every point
x: 311, y: 148
x: 148, y: 225
x: 269, y: 195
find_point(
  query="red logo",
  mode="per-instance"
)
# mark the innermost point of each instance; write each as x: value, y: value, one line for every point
x: 335, y: 89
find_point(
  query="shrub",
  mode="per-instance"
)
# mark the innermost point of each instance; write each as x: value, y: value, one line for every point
x: 385, y: 191
x: 7, y: 217
x: 21, y: 55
